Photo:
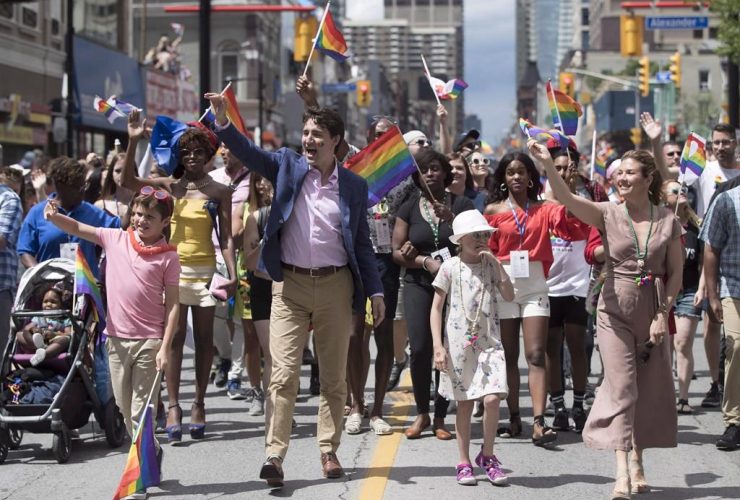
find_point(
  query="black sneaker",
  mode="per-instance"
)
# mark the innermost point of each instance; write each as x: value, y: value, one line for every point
x: 222, y: 374
x: 730, y: 439
x: 560, y: 421
x: 396, y: 373
x: 307, y: 356
x: 579, y: 418
x: 713, y: 398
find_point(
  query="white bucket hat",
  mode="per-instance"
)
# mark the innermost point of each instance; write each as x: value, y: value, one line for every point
x: 470, y: 221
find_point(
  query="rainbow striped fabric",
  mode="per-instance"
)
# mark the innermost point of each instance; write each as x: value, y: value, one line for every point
x: 600, y: 165
x: 85, y: 283
x: 330, y: 40
x: 693, y: 159
x: 533, y: 130
x: 142, y: 469
x: 232, y: 111
x: 450, y: 90
x: 565, y: 111
x: 383, y: 164
x: 108, y: 109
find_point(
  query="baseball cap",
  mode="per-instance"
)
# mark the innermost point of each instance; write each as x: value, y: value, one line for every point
x: 553, y: 146
x: 27, y: 160
x: 472, y: 133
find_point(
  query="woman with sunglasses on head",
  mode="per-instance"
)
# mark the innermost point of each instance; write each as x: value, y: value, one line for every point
x: 635, y: 407
x: 479, y: 169
x: 688, y: 306
x: 115, y: 198
x: 194, y: 193
x: 522, y: 244
x: 462, y: 181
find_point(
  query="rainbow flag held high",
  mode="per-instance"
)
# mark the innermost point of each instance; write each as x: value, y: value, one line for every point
x: 330, y: 40
x: 85, y: 283
x: 232, y: 111
x: 534, y: 130
x: 449, y: 90
x: 383, y: 164
x: 121, y: 106
x: 109, y: 110
x: 565, y: 111
x: 693, y: 159
x: 142, y: 469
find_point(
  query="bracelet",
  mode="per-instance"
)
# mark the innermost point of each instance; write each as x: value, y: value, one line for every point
x: 424, y: 263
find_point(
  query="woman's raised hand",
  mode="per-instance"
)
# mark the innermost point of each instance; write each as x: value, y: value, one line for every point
x: 538, y: 151
x: 136, y: 128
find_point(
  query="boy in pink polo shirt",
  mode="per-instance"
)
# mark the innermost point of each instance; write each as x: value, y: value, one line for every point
x: 143, y: 275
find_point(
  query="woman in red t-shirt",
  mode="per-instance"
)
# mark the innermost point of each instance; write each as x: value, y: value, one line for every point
x: 522, y: 244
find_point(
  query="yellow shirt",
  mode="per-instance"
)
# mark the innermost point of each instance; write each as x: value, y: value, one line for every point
x: 192, y: 228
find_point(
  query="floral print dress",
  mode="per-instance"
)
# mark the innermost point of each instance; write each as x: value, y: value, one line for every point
x: 478, y: 368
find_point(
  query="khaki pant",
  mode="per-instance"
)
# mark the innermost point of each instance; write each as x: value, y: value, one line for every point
x: 325, y: 303
x: 133, y: 370
x: 731, y: 400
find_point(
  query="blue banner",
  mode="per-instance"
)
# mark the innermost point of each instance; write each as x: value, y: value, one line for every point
x: 104, y: 72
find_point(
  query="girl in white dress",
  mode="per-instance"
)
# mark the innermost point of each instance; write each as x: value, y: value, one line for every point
x: 471, y: 357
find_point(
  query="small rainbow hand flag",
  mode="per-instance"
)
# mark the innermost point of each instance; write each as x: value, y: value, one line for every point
x: 383, y: 164
x: 232, y: 111
x: 178, y: 28
x: 533, y: 130
x: 693, y: 159
x: 565, y: 111
x: 450, y: 90
x: 330, y: 40
x: 142, y: 469
x: 121, y: 106
x: 86, y: 284
x: 109, y: 110
x: 600, y: 164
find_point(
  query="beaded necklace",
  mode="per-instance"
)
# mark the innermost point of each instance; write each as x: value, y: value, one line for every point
x: 142, y: 249
x: 473, y: 325
x: 193, y: 185
x: 644, y: 277
x: 435, y: 227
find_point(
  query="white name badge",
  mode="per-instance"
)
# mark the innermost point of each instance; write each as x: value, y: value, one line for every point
x: 442, y: 254
x: 68, y: 250
x: 383, y: 232
x: 519, y: 264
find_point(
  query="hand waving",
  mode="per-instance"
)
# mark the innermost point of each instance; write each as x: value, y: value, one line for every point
x: 218, y: 106
x: 50, y: 210
x: 652, y: 128
x: 136, y: 128
x: 38, y: 179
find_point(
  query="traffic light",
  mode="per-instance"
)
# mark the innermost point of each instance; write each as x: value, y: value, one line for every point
x: 636, y: 136
x: 364, y: 93
x: 675, y: 69
x: 304, y: 31
x: 643, y: 76
x: 630, y: 35
x: 567, y: 84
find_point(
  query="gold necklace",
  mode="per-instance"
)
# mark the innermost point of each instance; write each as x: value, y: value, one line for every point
x: 193, y: 185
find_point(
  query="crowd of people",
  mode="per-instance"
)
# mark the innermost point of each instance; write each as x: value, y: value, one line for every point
x: 475, y: 251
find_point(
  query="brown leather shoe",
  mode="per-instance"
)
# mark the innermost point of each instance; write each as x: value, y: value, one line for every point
x: 440, y: 431
x: 420, y: 424
x: 332, y: 467
x: 272, y: 471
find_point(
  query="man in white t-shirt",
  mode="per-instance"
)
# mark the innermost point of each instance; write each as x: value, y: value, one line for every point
x: 725, y: 168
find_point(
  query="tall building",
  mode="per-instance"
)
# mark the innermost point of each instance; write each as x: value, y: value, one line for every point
x: 565, y: 32
x: 525, y: 37
x: 546, y: 27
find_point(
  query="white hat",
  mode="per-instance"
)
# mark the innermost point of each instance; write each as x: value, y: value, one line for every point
x: 408, y: 137
x: 19, y: 168
x: 470, y: 221
x: 613, y: 166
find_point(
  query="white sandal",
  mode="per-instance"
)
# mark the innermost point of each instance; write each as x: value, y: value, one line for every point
x: 381, y: 427
x: 353, y: 425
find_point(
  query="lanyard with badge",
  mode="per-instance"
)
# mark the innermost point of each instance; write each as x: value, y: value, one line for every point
x: 520, y: 258
x: 444, y: 253
x: 382, y: 224
x: 67, y: 250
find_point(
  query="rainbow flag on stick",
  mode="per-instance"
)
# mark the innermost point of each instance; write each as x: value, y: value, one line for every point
x: 600, y: 165
x: 85, y: 283
x: 232, y: 111
x: 330, y: 40
x: 533, y: 130
x: 565, y: 111
x: 449, y: 90
x: 693, y: 159
x: 110, y: 111
x: 383, y: 164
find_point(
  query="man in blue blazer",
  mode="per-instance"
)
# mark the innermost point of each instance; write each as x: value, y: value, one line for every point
x: 317, y: 250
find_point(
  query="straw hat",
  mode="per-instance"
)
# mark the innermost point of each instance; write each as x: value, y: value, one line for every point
x: 470, y: 221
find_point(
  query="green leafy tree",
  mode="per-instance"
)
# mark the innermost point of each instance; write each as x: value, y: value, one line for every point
x: 728, y: 33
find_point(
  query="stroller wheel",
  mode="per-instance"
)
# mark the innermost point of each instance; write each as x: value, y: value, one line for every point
x: 62, y: 445
x: 4, y: 444
x: 16, y: 436
x: 115, y: 428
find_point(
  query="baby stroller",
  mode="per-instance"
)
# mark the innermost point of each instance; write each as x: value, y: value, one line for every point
x: 70, y: 408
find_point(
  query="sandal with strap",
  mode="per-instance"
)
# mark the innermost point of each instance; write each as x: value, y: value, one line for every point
x: 514, y: 429
x: 353, y: 425
x: 621, y: 494
x: 638, y: 485
x: 548, y: 435
x: 174, y: 432
x: 683, y: 408
x: 198, y: 431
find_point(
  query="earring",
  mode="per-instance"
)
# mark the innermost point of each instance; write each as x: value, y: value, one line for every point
x: 503, y: 186
x: 530, y: 184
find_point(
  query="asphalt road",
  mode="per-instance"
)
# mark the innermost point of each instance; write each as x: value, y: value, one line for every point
x: 226, y: 464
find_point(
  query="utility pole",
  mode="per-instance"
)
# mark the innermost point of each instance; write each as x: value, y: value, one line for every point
x: 69, y: 68
x: 204, y: 18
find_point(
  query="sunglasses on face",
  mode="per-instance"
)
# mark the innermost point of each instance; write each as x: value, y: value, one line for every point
x: 480, y: 235
x: 673, y: 153
x: 423, y: 143
x: 683, y: 190
x: 197, y: 153
x: 480, y: 161
x: 471, y: 145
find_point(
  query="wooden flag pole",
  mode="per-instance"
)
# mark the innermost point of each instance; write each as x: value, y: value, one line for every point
x: 209, y: 107
x: 313, y: 45
x: 429, y: 79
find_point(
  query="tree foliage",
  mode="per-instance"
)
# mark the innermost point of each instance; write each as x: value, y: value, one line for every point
x: 728, y: 33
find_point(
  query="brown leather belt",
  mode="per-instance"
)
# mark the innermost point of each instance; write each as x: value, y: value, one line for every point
x: 314, y: 272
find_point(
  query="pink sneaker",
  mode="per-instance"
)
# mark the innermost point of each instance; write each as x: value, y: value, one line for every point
x: 493, y: 469
x: 465, y: 475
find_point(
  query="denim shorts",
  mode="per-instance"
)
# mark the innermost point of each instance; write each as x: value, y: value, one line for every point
x: 685, y: 305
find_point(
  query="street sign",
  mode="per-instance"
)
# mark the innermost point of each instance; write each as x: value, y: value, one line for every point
x: 676, y: 23
x: 338, y: 87
x: 663, y: 76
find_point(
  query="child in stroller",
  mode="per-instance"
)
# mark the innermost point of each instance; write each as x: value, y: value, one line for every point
x: 48, y: 336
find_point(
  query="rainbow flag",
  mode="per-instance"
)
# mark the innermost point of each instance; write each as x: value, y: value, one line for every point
x: 383, y: 164
x: 330, y: 40
x: 232, y: 111
x: 600, y: 165
x: 565, y: 111
x: 106, y: 108
x: 486, y: 148
x: 534, y: 130
x: 450, y: 90
x: 142, y: 469
x: 693, y: 159
x: 85, y: 283
x: 178, y: 28
x: 121, y: 106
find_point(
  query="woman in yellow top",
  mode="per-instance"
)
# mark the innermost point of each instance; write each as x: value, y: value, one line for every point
x: 192, y: 228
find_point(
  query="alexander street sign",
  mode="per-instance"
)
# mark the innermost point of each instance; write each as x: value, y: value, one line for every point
x: 676, y: 23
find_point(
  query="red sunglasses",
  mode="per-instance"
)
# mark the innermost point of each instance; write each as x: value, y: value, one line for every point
x: 159, y: 194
